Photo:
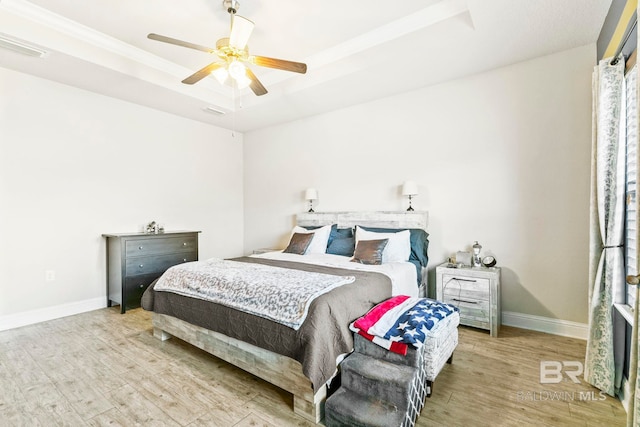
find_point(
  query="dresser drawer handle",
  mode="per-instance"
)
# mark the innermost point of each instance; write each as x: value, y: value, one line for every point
x: 140, y: 247
x: 184, y: 260
x: 141, y: 286
x: 464, y: 300
x: 141, y: 265
x: 463, y: 280
x: 184, y: 244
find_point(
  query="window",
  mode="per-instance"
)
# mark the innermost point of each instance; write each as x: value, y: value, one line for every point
x: 631, y: 230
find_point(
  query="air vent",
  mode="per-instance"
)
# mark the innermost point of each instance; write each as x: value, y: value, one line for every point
x: 214, y: 110
x: 20, y: 46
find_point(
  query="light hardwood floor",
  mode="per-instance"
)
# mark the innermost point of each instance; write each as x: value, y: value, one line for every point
x: 103, y: 368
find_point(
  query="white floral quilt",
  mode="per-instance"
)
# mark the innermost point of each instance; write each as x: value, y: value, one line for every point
x: 279, y: 294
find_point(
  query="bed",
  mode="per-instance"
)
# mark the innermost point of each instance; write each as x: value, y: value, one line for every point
x: 302, y: 360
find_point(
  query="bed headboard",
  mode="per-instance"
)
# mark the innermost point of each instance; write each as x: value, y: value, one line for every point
x: 395, y: 219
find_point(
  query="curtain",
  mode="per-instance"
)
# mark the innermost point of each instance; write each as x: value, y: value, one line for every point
x: 603, y: 364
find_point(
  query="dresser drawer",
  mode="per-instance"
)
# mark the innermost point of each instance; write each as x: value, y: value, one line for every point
x: 135, y: 287
x: 156, y: 246
x: 466, y: 288
x: 156, y: 264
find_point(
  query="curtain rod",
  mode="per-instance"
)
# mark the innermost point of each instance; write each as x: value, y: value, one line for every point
x: 615, y: 59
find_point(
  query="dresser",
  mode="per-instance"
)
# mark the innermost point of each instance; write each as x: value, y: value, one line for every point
x: 134, y: 260
x: 475, y: 291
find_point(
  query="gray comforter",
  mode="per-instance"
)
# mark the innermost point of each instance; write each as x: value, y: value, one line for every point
x: 320, y: 340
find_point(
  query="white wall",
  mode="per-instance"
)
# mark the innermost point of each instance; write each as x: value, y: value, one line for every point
x: 500, y: 157
x: 74, y: 165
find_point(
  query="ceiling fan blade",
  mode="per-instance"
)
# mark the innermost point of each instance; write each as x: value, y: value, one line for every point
x: 280, y: 64
x: 255, y: 85
x: 241, y: 29
x: 202, y: 73
x: 177, y: 42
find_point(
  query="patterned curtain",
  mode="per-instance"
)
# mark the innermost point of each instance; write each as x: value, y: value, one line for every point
x: 606, y: 255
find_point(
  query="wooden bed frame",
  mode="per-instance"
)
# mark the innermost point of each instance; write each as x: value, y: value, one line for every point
x: 279, y: 370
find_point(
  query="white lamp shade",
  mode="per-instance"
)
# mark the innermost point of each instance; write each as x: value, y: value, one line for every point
x: 311, y: 194
x: 409, y: 188
x: 221, y: 75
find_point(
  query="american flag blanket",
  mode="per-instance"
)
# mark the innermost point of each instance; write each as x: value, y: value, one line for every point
x: 401, y: 321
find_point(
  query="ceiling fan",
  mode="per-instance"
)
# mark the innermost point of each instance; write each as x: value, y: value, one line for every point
x: 234, y: 53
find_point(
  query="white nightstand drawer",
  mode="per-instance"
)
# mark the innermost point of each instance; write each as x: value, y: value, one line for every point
x: 468, y: 288
x: 472, y: 312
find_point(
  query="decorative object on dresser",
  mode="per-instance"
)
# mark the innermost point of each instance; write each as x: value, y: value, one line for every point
x: 463, y: 259
x: 410, y: 189
x: 489, y: 261
x: 311, y: 194
x: 134, y: 260
x: 477, y: 247
x: 154, y: 228
x: 475, y: 291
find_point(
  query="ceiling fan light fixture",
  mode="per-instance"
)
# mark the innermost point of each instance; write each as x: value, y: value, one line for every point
x: 232, y: 52
x: 237, y: 70
x: 221, y: 75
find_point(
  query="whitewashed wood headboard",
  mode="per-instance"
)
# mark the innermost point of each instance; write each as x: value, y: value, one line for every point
x: 382, y: 219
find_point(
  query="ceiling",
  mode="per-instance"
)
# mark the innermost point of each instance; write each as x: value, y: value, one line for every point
x: 356, y: 50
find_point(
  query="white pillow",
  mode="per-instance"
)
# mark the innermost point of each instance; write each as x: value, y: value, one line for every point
x: 320, y: 239
x: 398, y: 248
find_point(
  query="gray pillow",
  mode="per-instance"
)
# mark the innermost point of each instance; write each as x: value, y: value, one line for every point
x: 299, y: 243
x: 369, y: 251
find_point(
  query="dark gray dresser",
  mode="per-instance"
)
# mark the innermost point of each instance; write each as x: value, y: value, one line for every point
x: 134, y: 260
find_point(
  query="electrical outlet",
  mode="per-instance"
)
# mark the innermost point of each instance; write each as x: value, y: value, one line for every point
x: 50, y: 275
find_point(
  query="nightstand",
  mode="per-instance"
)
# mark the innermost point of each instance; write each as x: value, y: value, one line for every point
x: 475, y: 291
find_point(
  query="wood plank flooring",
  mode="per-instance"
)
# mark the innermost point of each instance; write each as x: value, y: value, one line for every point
x: 106, y: 369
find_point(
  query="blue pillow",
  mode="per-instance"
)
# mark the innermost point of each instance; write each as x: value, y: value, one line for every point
x: 342, y: 232
x: 344, y: 246
x: 335, y: 233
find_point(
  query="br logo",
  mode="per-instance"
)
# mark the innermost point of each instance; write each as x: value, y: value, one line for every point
x: 552, y: 372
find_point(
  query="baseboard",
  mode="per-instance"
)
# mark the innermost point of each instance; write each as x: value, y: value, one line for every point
x: 564, y: 328
x: 41, y: 315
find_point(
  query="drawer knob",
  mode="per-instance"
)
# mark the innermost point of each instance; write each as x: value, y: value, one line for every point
x: 184, y: 260
x: 141, y: 265
x: 184, y: 244
x: 141, y: 286
x: 140, y: 247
